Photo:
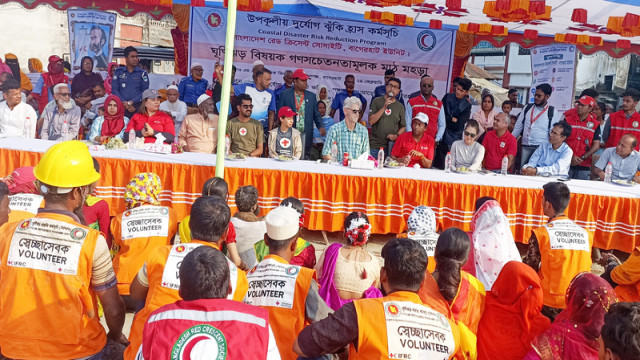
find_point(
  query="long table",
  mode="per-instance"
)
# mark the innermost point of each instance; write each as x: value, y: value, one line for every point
x: 387, y: 196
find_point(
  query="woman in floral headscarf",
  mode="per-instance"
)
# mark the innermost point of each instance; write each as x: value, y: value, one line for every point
x: 144, y: 226
x: 575, y: 331
x: 349, y: 272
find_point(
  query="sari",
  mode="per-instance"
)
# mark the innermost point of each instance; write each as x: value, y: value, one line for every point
x: 468, y: 305
x: 328, y: 290
x: 574, y: 333
x: 512, y: 317
x: 493, y: 243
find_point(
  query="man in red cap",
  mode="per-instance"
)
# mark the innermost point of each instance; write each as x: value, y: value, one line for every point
x: 284, y: 139
x: 585, y: 137
x: 43, y: 91
x: 305, y: 105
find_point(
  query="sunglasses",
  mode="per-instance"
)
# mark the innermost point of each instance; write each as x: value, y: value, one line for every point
x: 471, y: 135
x: 64, y: 94
x: 247, y: 106
x: 355, y: 111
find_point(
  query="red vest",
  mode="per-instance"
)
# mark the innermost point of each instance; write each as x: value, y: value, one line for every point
x: 621, y: 126
x: 431, y: 108
x: 581, y: 132
x: 220, y: 328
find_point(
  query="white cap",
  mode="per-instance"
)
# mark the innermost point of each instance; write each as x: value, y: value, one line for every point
x: 194, y: 64
x: 202, y: 99
x: 283, y: 223
x: 256, y: 63
x: 422, y: 117
x: 172, y: 87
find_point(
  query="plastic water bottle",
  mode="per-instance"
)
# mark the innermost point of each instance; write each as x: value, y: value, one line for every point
x: 607, y: 172
x: 227, y: 144
x: 447, y: 162
x: 334, y: 152
x: 504, y: 168
x: 64, y: 130
x: 28, y: 131
x: 381, y: 158
x: 132, y: 139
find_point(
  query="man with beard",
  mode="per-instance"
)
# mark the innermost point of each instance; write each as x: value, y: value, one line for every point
x: 199, y: 132
x: 97, y: 40
x: 246, y: 134
x: 288, y: 84
x: 191, y: 87
x: 50, y: 287
x: 415, y: 147
x: 174, y: 106
x: 62, y: 122
x: 425, y: 102
x: 129, y: 82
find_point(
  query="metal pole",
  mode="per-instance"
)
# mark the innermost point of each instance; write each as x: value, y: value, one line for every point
x: 226, y: 86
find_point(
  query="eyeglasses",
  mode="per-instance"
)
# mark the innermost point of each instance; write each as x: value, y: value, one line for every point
x: 64, y: 94
x: 247, y: 106
x: 393, y: 86
x: 355, y: 111
x: 471, y: 135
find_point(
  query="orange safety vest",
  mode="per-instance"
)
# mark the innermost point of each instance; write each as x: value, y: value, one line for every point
x: 162, y: 273
x: 468, y: 305
x: 146, y: 228
x: 565, y: 251
x: 400, y: 326
x: 282, y: 289
x: 627, y: 276
x: 54, y: 315
x: 24, y: 206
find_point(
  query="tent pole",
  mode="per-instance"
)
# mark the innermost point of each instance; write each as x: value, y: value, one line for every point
x: 226, y: 86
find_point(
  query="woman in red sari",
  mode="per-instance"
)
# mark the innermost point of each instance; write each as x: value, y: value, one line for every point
x: 574, y: 333
x: 511, y: 318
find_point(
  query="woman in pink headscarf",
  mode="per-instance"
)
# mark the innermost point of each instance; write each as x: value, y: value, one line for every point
x: 574, y: 333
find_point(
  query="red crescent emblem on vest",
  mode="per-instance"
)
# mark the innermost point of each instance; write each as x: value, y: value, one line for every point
x: 24, y: 225
x: 635, y: 124
x: 387, y: 112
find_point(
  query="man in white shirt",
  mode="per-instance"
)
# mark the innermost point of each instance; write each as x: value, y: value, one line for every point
x: 174, y: 106
x: 625, y: 161
x: 17, y: 119
x: 63, y: 122
x: 535, y: 122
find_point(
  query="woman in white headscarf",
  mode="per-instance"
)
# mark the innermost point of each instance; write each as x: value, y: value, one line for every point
x: 322, y: 94
x: 493, y: 242
x: 422, y: 228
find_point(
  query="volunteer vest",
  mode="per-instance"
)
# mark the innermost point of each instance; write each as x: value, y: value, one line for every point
x: 24, y: 206
x: 621, y: 126
x: 468, y: 305
x: 54, y: 314
x: 206, y: 329
x: 137, y: 232
x: 400, y: 326
x: 282, y: 289
x: 565, y: 251
x: 162, y: 271
x: 431, y: 107
x: 582, y: 134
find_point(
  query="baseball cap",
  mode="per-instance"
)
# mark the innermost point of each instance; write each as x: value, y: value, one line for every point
x: 150, y: 94
x: 54, y: 58
x: 202, y: 98
x: 422, y: 117
x: 282, y: 223
x: 587, y: 100
x: 300, y: 74
x: 285, y: 111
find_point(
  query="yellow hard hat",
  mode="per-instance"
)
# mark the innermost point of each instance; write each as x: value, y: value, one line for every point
x: 66, y: 165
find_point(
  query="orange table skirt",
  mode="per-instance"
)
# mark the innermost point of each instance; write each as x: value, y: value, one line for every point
x: 615, y: 221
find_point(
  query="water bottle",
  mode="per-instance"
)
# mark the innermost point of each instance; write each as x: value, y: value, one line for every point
x: 447, y: 162
x: 381, y: 158
x: 334, y: 152
x: 64, y: 131
x: 505, y: 165
x: 227, y: 145
x: 27, y: 132
x: 132, y: 139
x: 607, y: 172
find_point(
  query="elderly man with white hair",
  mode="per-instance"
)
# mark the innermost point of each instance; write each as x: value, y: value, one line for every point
x: 63, y: 121
x: 174, y: 106
x: 350, y: 137
x: 191, y: 87
x: 199, y: 132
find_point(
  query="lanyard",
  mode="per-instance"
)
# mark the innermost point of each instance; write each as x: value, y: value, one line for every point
x: 298, y: 104
x: 534, y: 119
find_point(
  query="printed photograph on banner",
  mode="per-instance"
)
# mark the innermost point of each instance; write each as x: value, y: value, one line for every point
x: 91, y: 33
x: 326, y: 49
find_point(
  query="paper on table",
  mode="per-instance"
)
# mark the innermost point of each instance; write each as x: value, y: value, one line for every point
x: 160, y: 138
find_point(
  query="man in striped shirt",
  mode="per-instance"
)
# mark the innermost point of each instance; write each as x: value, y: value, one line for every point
x: 350, y: 137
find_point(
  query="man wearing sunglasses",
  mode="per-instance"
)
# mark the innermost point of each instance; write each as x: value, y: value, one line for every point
x: 63, y: 121
x: 552, y: 158
x: 246, y: 134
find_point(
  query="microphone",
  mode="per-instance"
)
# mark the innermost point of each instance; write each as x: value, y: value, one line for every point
x: 390, y: 94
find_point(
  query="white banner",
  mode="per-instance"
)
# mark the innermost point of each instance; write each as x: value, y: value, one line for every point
x: 555, y: 65
x: 327, y: 49
x: 91, y: 33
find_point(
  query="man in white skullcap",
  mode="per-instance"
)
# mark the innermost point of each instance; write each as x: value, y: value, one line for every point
x: 191, y: 87
x: 199, y: 132
x: 174, y: 106
x: 289, y: 292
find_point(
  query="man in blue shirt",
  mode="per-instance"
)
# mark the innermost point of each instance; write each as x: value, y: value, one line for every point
x: 338, y: 101
x: 130, y: 82
x: 625, y: 161
x: 381, y: 90
x: 554, y: 157
x: 264, y: 102
x: 191, y: 87
x: 288, y: 83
